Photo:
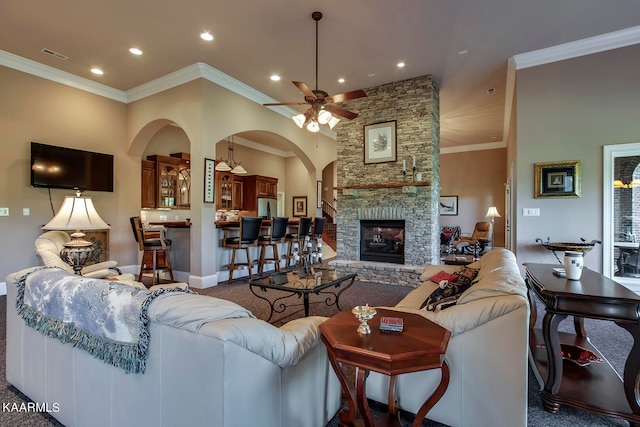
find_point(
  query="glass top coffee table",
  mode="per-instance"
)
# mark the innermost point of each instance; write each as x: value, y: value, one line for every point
x: 320, y: 282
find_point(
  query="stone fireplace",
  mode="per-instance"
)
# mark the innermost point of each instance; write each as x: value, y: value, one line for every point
x: 380, y: 191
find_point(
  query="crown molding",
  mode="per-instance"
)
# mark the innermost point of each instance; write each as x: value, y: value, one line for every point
x: 259, y: 147
x: 595, y: 44
x: 28, y: 66
x: 166, y: 82
x: 474, y: 147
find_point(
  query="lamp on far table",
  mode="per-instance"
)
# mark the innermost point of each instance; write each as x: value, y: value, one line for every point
x: 493, y: 214
x: 77, y: 213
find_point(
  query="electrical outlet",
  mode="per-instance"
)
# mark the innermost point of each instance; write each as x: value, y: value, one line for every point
x: 4, y: 211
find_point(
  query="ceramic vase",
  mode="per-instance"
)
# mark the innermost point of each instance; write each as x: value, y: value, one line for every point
x: 573, y: 263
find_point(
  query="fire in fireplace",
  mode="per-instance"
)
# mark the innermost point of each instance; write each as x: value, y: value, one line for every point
x: 382, y: 240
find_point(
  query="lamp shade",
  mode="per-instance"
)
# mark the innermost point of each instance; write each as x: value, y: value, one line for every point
x: 76, y: 213
x: 492, y: 212
x: 222, y: 166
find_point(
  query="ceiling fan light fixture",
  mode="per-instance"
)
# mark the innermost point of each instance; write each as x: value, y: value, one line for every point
x: 333, y: 121
x: 300, y: 119
x: 313, y: 126
x: 324, y: 117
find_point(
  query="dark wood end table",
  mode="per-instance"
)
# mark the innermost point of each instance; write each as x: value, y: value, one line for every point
x: 420, y: 346
x: 596, y: 387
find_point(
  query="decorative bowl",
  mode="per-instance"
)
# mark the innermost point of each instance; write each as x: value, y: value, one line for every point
x: 364, y: 313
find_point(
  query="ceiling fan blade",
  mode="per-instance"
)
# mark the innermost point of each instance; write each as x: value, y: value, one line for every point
x: 305, y: 89
x: 285, y: 103
x: 341, y: 97
x: 342, y: 112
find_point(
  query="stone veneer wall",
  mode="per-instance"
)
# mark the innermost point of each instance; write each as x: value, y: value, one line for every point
x: 414, y: 105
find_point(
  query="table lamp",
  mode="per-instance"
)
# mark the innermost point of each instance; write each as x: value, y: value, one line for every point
x: 77, y: 213
x: 493, y: 214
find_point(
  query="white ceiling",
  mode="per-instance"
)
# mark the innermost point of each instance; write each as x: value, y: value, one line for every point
x: 359, y: 40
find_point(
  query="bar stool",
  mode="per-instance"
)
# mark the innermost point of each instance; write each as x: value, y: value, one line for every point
x: 246, y: 238
x: 316, y: 234
x: 155, y: 251
x: 296, y: 236
x: 276, y: 235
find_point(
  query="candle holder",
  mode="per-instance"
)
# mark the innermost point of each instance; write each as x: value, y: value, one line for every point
x: 364, y: 313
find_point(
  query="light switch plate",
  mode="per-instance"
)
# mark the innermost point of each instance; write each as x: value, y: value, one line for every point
x: 4, y: 211
x: 26, y: 212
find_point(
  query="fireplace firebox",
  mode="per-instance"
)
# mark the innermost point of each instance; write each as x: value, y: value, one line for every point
x: 382, y: 241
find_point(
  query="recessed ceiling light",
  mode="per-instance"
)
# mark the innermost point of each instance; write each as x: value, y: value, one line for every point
x: 135, y: 51
x: 97, y: 71
x: 463, y: 52
x: 371, y: 75
x: 400, y: 64
x: 275, y: 78
x: 340, y: 80
x: 206, y: 36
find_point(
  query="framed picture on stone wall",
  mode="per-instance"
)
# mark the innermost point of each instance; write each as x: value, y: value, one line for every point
x: 380, y: 142
x: 557, y: 179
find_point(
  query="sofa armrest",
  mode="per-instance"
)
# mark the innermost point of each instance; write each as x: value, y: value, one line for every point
x: 283, y: 346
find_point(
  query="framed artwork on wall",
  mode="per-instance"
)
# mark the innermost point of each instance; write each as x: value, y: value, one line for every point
x: 557, y: 179
x: 209, y: 185
x: 380, y: 142
x: 448, y: 205
x: 319, y: 194
x: 299, y: 205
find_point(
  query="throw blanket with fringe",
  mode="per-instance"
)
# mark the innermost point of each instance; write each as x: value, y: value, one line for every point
x: 105, y: 318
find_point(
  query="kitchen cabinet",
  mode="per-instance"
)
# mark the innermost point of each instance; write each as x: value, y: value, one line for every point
x: 166, y: 181
x: 148, y: 193
x: 259, y: 187
x: 238, y: 192
x: 224, y: 190
x: 183, y: 191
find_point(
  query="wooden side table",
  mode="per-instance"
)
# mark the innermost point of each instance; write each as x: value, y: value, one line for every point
x: 420, y: 346
x: 458, y: 259
x: 597, y: 387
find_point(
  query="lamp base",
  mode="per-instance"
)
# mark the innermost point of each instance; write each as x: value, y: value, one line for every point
x: 77, y: 252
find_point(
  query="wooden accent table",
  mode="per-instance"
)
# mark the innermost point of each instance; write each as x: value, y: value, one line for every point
x: 596, y: 387
x: 458, y: 259
x: 420, y: 346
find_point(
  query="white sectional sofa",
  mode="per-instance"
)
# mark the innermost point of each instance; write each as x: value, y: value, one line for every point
x: 205, y: 367
x: 487, y: 353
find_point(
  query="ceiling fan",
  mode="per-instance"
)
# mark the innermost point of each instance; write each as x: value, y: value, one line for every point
x: 323, y: 106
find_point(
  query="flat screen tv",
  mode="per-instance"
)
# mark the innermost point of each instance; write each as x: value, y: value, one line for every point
x: 60, y: 167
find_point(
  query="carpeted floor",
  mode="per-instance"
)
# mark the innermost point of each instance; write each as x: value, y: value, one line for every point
x: 613, y: 341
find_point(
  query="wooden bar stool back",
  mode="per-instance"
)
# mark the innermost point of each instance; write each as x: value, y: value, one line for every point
x: 276, y: 235
x: 155, y: 251
x: 247, y: 237
x: 316, y: 233
x: 296, y: 238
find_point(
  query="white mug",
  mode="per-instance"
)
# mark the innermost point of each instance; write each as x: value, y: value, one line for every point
x: 573, y: 263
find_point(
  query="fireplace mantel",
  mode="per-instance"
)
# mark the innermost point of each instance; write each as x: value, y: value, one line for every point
x: 385, y: 185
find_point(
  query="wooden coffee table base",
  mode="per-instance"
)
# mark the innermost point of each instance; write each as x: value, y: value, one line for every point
x: 381, y: 352
x: 391, y: 418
